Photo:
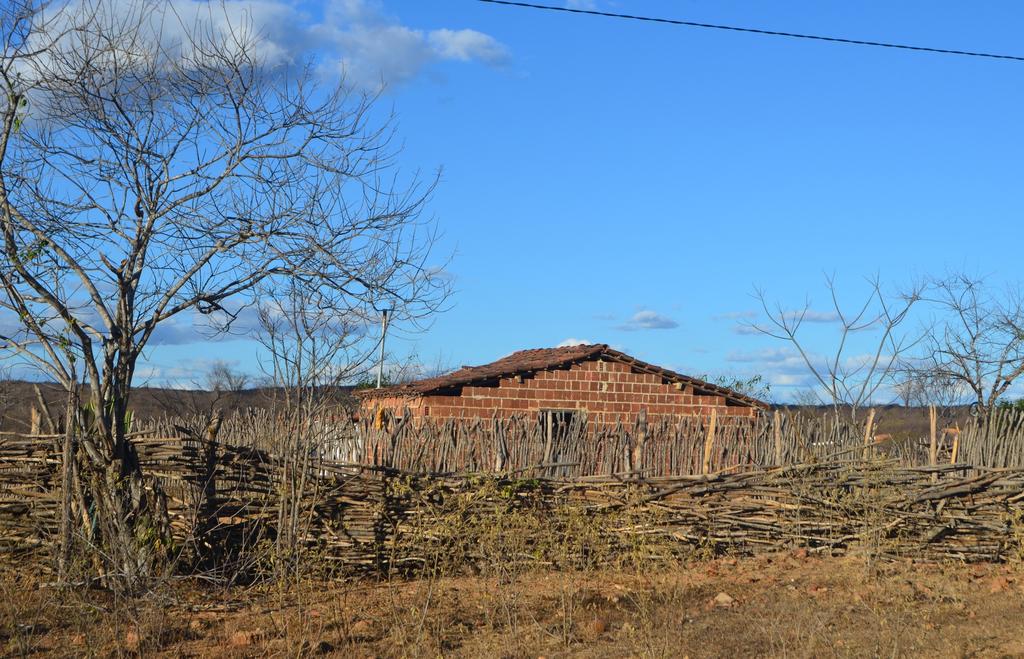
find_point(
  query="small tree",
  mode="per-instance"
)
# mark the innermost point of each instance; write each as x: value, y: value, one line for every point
x: 974, y: 344
x: 309, y: 352
x: 224, y: 379
x: 918, y: 388
x: 754, y: 386
x: 844, y: 380
x: 145, y: 178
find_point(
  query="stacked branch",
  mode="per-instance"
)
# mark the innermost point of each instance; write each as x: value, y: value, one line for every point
x: 224, y: 502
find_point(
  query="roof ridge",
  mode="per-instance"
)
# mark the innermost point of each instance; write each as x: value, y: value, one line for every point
x: 531, y: 360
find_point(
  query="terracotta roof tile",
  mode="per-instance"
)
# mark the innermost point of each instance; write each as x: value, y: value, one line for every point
x: 524, y: 361
x: 527, y: 361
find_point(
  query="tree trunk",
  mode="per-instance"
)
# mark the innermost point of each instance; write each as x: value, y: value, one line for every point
x: 128, y: 511
x: 67, y: 482
x: 130, y: 516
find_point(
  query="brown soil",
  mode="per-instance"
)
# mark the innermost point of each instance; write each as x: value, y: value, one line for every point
x: 773, y: 605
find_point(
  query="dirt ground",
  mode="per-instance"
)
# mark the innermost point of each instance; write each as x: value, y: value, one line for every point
x: 779, y: 605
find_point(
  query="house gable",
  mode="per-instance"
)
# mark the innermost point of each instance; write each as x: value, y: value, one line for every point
x: 607, y: 385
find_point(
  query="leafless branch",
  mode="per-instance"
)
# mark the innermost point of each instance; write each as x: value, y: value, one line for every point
x: 846, y: 380
x: 152, y: 167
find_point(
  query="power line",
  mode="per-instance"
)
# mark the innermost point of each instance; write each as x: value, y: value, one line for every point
x: 751, y: 30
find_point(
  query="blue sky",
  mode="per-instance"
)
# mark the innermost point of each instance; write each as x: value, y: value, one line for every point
x: 630, y: 183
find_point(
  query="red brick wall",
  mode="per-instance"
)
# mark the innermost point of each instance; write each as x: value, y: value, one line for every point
x: 607, y: 391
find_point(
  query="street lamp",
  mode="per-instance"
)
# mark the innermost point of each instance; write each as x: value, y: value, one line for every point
x: 383, y: 335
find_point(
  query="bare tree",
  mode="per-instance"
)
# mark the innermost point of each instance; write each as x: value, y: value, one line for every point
x: 805, y: 398
x: 413, y: 367
x: 310, y: 352
x: 153, y: 168
x: 975, y: 341
x: 222, y: 378
x: 842, y: 379
x: 911, y: 391
x: 917, y: 387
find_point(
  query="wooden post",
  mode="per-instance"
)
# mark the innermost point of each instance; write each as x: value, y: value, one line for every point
x: 45, y: 413
x: 33, y: 421
x: 709, y: 440
x: 549, y: 430
x: 777, y: 432
x: 500, y: 458
x: 868, y: 433
x: 956, y: 447
x: 933, y: 445
x: 640, y: 442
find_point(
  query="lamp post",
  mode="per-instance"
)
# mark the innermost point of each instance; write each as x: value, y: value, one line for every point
x: 383, y: 335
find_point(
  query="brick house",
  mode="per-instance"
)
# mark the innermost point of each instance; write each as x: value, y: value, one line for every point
x: 557, y: 386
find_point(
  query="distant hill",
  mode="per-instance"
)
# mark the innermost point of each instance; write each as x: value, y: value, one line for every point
x: 17, y: 397
x: 893, y: 419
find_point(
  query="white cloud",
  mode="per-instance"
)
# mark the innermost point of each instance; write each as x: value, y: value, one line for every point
x: 647, y: 320
x: 797, y: 380
x: 574, y: 342
x: 466, y: 45
x: 780, y: 367
x: 355, y: 38
x: 812, y: 316
x: 186, y: 374
x: 176, y: 330
x: 735, y: 315
x: 784, y: 368
x: 808, y: 316
x: 369, y: 47
x: 769, y: 355
x: 745, y: 330
x: 386, y: 53
x: 581, y: 4
x: 776, y: 364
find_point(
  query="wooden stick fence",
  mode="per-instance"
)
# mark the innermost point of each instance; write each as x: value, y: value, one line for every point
x: 660, y: 447
x: 677, y: 485
x: 664, y: 446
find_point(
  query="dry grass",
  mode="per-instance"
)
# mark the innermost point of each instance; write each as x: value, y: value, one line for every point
x: 485, y: 566
x: 787, y: 605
